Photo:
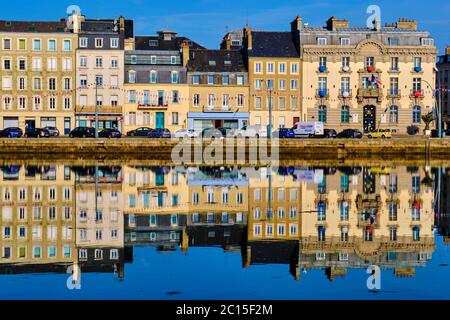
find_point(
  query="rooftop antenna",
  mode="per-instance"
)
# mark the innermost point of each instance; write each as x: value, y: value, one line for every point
x: 247, y: 19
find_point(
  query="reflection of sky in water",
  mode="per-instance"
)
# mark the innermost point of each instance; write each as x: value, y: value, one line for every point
x: 212, y: 273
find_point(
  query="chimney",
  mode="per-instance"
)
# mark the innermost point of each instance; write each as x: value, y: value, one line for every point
x: 185, y: 51
x: 447, y: 50
x: 227, y: 42
x: 334, y: 23
x: 122, y: 24
x: 74, y: 22
x: 248, y: 37
x: 297, y: 24
x: 406, y: 24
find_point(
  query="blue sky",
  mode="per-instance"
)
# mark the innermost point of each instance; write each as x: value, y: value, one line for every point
x: 206, y: 21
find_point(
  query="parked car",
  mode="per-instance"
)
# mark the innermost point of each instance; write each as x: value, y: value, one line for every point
x: 380, y: 134
x: 350, y: 133
x: 11, y: 133
x: 34, y: 133
x: 82, y: 132
x: 413, y: 130
x: 140, y: 132
x: 160, y: 133
x: 212, y: 133
x: 110, y: 133
x: 309, y: 129
x: 330, y: 133
x: 51, y: 131
x: 255, y: 131
x: 186, y: 133
x: 284, y: 133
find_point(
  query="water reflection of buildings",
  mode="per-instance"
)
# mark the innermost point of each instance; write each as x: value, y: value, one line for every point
x: 368, y: 216
x: 304, y: 218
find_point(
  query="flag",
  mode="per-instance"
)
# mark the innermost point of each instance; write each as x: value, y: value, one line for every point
x: 376, y: 80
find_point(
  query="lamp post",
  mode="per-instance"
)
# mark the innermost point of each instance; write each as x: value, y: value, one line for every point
x: 438, y: 103
x: 96, y: 108
x: 269, y: 128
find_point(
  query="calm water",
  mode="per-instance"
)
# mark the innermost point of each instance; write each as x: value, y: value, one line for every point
x: 141, y: 232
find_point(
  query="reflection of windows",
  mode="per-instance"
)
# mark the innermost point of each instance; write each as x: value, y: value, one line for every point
x: 416, y: 234
x: 344, y: 210
x: 392, y: 211
x: 393, y: 234
x: 321, y: 233
x: 416, y: 184
x: 321, y: 211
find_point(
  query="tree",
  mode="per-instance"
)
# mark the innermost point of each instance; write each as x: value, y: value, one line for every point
x: 427, y: 119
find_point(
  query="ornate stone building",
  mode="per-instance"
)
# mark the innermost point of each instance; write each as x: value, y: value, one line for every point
x: 367, y: 78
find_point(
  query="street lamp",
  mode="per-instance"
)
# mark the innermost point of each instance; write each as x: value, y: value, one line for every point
x: 438, y: 102
x: 96, y: 107
x: 269, y: 128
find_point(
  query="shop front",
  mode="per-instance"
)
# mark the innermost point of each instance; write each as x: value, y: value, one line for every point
x: 203, y: 120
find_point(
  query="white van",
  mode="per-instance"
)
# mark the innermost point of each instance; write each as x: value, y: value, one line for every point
x: 256, y: 131
x: 308, y: 129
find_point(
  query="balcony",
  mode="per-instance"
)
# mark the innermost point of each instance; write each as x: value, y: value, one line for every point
x: 322, y: 94
x: 345, y: 93
x: 394, y: 93
x: 153, y: 106
x: 367, y: 93
x: 417, y: 94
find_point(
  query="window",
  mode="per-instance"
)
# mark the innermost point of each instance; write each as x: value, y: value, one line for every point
x: 270, y: 67
x: 294, y: 68
x: 99, y: 62
x: 114, y: 101
x: 7, y: 44
x: 345, y: 41
x: 393, y: 41
x: 418, y: 63
x: 225, y: 80
x: 174, y: 77
x: 240, y: 80
x: 52, y: 84
x: 258, y: 67
x: 258, y: 102
x: 196, y: 99
x: 99, y: 42
x: 67, y: 82
x: 83, y: 42
x: 416, y: 115
x: 175, y: 96
x: 83, y: 62
x: 22, y: 44
x: 67, y: 64
x: 196, y: 79
x: 22, y: 64
x: 210, y: 79
x: 321, y: 211
x: 22, y: 102
x: 322, y: 41
x: 175, y: 118
x: 52, y: 103
x: 67, y: 45
x: 416, y: 184
x: 323, y: 63
x: 282, y: 67
x: 114, y: 62
x: 7, y: 83
x: 51, y: 64
x: 99, y: 81
x: 427, y: 42
x: 37, y: 45
x: 6, y: 64
x: 394, y: 64
x: 346, y: 63
x: 173, y: 60
x: 37, y: 64
x: 114, y: 81
x: 393, y: 114
x: 345, y: 114
x: 393, y: 211
x: 37, y: 103
x: 370, y: 62
x: 322, y: 114
x: 114, y: 43
x: 153, y: 77
x: 294, y: 84
x: 22, y: 83
x: 132, y: 76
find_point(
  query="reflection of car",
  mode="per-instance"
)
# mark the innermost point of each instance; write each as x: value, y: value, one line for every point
x: 284, y: 133
x: 110, y: 133
x: 51, y: 131
x: 140, y: 132
x: 186, y: 133
x: 11, y: 133
x: 159, y: 133
x: 380, y: 133
x: 413, y: 130
x: 82, y: 132
x: 34, y: 133
x: 350, y: 133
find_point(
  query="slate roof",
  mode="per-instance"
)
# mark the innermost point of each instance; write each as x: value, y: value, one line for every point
x: 143, y: 43
x: 32, y: 26
x: 273, y: 44
x: 205, y: 60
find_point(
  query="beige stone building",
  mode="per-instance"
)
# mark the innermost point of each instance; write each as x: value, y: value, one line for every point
x: 273, y: 62
x: 367, y: 78
x: 38, y: 77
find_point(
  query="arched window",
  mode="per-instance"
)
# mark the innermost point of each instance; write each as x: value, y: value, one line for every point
x: 132, y: 76
x: 416, y: 114
x: 323, y: 114
x: 393, y: 114
x: 345, y: 114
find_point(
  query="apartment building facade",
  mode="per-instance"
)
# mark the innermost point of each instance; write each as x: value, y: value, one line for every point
x: 218, y: 88
x: 367, y: 78
x: 100, y: 69
x: 443, y: 83
x: 157, y: 93
x: 37, y: 75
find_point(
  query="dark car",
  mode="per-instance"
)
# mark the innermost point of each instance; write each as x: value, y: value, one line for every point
x: 139, y: 132
x: 413, y: 130
x: 159, y: 133
x: 82, y: 132
x: 110, y: 133
x: 350, y: 133
x: 11, y: 133
x: 330, y: 133
x: 34, y: 133
x: 284, y: 133
x: 51, y: 131
x: 217, y: 133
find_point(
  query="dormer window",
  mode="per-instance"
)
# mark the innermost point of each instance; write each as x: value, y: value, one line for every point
x: 173, y: 60
x: 393, y: 41
x: 133, y: 59
x: 99, y: 42
x: 322, y: 41
x: 236, y: 43
x: 345, y: 41
x: 227, y: 63
x: 153, y: 59
x: 427, y: 42
x: 153, y: 43
x: 212, y: 63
